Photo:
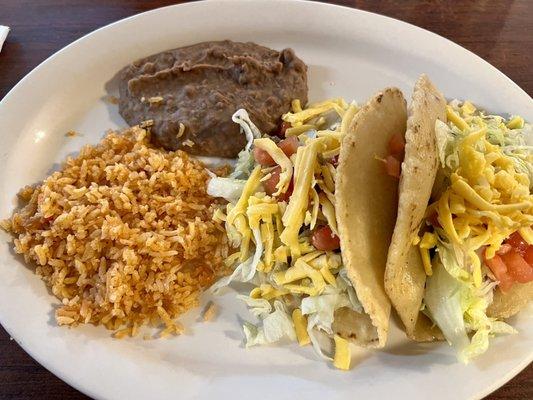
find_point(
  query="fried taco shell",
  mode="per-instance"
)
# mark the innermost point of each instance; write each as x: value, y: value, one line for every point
x: 404, y: 276
x: 366, y: 210
x: 505, y: 305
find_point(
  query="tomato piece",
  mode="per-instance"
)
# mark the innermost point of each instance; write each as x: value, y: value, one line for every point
x: 433, y: 219
x: 397, y: 145
x: 323, y: 238
x: 528, y: 255
x: 263, y: 158
x: 504, y: 248
x: 496, y: 264
x: 282, y: 128
x: 499, y: 269
x: 517, y: 242
x: 287, y: 195
x: 270, y: 185
x: 517, y: 267
x: 393, y: 166
x: 289, y: 145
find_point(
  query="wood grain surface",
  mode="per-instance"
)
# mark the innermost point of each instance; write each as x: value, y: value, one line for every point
x: 498, y: 31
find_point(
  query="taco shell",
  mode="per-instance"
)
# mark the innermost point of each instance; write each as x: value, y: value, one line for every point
x: 505, y: 305
x: 366, y: 210
x: 405, y: 277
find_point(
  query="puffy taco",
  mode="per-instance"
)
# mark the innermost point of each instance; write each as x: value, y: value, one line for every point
x: 461, y: 256
x: 310, y: 215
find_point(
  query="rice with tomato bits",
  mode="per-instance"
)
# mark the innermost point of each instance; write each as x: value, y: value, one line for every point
x: 123, y: 235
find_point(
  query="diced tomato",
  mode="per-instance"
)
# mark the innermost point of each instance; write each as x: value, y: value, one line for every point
x: 504, y: 248
x: 334, y: 161
x: 263, y: 158
x: 270, y: 185
x: 513, y: 262
x: 282, y: 128
x: 496, y: 264
x: 289, y: 145
x: 433, y: 219
x: 397, y: 145
x: 499, y: 269
x: 393, y: 166
x: 517, y: 242
x: 517, y: 267
x: 287, y: 195
x: 528, y: 256
x: 324, y: 239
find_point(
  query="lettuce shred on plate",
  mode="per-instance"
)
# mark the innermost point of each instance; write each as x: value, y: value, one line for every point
x: 280, y: 195
x: 479, y: 227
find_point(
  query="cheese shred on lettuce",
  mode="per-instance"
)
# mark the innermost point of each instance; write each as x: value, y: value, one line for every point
x: 295, y: 288
x: 293, y: 217
x: 483, y: 196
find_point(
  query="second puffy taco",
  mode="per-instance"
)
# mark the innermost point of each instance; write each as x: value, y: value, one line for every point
x: 461, y: 257
x: 310, y: 217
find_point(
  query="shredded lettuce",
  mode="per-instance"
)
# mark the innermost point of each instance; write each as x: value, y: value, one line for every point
x: 458, y: 308
x: 448, y: 139
x: 276, y: 325
x: 522, y: 157
x: 227, y: 188
x: 245, y: 271
x: 515, y: 143
x: 443, y: 136
x: 245, y: 159
x: 320, y: 310
x: 230, y: 188
x: 320, y: 340
x: 344, y: 284
x: 449, y: 255
x: 259, y: 308
x: 527, y: 133
x: 244, y: 165
x: 443, y: 300
x: 251, y: 131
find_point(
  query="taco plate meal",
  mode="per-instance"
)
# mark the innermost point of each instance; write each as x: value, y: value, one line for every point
x: 331, y: 216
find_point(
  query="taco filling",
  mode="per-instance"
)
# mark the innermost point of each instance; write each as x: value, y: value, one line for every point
x: 282, y: 220
x: 479, y: 224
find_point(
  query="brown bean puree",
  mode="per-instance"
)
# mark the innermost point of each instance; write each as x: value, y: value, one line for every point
x: 190, y: 93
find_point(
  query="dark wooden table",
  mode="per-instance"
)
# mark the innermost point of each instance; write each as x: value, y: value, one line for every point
x: 498, y: 31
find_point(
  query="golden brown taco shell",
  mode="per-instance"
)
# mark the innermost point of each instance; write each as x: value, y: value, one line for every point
x: 366, y: 210
x: 405, y: 278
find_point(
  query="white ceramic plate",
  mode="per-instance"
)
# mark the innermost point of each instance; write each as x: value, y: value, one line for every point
x: 350, y: 53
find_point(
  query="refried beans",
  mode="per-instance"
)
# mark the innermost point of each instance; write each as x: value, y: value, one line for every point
x: 190, y: 93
